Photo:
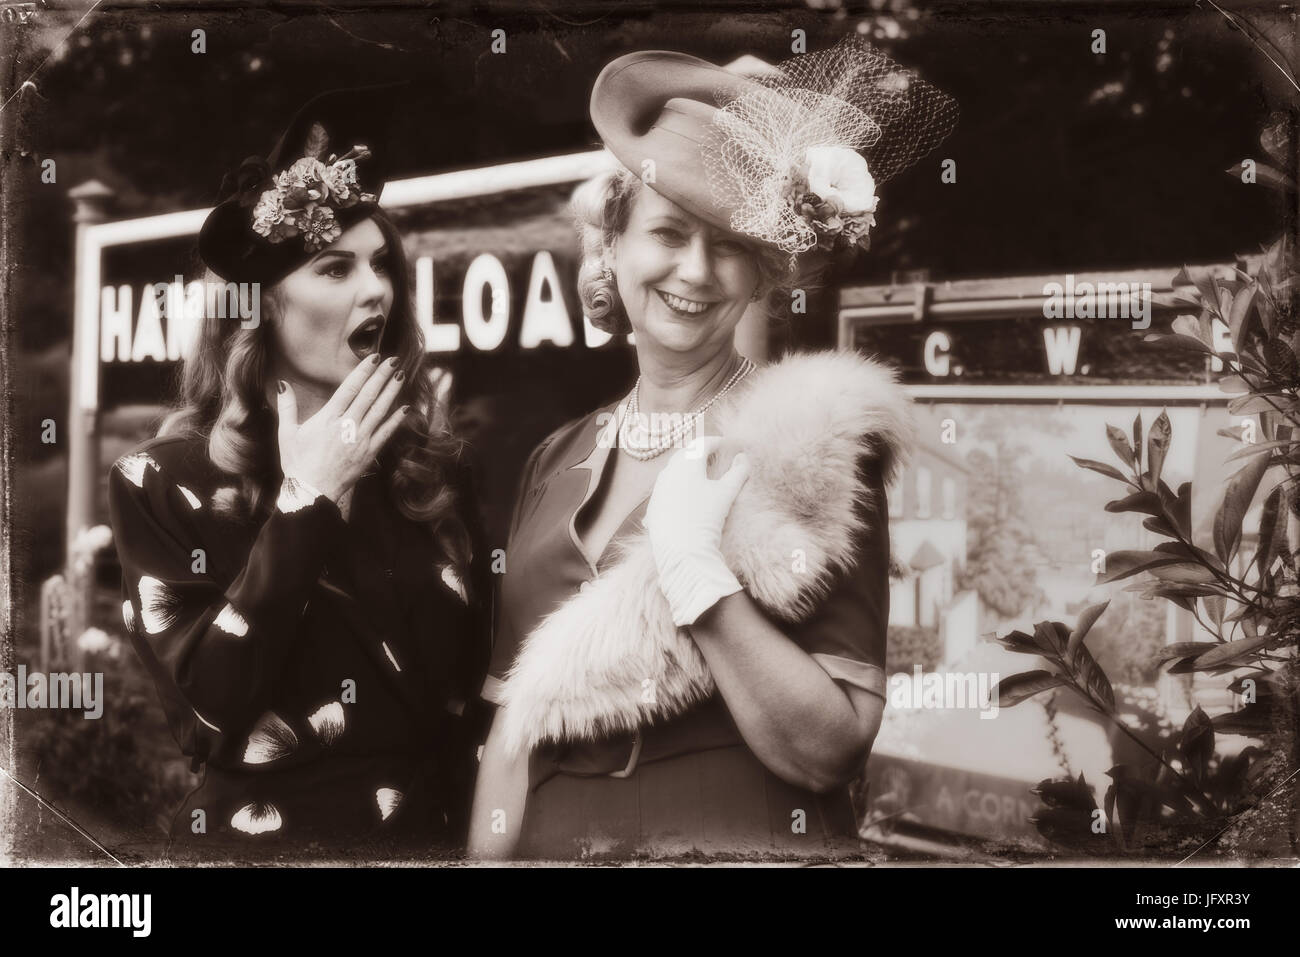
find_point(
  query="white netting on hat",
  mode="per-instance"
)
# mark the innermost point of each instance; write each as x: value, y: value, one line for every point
x: 782, y: 157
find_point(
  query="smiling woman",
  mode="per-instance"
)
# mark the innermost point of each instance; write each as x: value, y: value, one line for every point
x: 689, y: 653
x: 302, y: 575
x: 604, y: 207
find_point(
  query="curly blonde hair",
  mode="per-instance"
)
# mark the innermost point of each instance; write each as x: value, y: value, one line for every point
x: 601, y: 208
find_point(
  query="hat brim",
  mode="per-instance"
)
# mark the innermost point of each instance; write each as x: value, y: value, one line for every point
x: 229, y: 247
x: 653, y: 110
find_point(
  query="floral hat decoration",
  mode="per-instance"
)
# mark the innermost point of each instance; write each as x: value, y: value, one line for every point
x: 324, y: 175
x: 793, y: 159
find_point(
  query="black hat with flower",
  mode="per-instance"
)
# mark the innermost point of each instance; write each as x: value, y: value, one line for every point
x: 324, y: 175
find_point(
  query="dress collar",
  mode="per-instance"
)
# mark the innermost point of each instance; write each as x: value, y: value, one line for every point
x: 593, y: 456
x: 593, y: 453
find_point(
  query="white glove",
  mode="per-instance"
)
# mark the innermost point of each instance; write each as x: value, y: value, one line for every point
x: 684, y: 518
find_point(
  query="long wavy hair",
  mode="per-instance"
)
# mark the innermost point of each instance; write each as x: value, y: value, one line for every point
x: 223, y: 400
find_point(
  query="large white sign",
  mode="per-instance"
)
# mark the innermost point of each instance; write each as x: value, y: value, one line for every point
x: 158, y: 322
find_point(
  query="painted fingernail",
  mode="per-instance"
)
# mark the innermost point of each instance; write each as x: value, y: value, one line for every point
x: 405, y: 410
x: 281, y: 385
x: 401, y: 374
x: 392, y: 361
x: 374, y: 360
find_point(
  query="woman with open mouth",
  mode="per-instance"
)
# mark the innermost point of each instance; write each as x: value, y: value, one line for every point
x: 301, y: 570
x: 689, y: 653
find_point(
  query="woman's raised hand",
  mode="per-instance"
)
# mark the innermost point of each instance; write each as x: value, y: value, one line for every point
x: 333, y: 448
x: 685, y: 518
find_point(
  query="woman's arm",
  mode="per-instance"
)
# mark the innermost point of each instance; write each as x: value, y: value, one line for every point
x: 783, y: 690
x: 499, y: 798
x: 221, y: 648
x: 803, y: 725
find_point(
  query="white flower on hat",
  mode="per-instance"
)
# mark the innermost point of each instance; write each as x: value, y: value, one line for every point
x: 839, y: 174
x: 269, y: 212
x: 307, y: 173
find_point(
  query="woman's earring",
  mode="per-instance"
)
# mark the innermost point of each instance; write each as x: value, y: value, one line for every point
x: 758, y: 294
x: 607, y: 274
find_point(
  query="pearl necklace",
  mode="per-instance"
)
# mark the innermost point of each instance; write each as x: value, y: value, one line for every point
x: 644, y: 442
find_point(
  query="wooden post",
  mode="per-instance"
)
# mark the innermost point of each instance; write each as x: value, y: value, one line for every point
x: 82, y: 430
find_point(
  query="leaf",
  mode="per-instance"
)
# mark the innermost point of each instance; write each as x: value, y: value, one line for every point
x: 1267, y: 525
x: 1281, y: 360
x: 317, y: 142
x: 1266, y: 175
x: 1254, y: 720
x: 1183, y: 592
x: 1158, y: 525
x: 1188, y: 325
x: 1236, y: 500
x: 1230, y: 651
x: 1197, y: 742
x: 1108, y: 470
x: 1137, y: 439
x: 1264, y: 680
x: 1180, y: 299
x: 1214, y: 607
x: 1184, y: 573
x: 1148, y: 503
x: 1016, y: 688
x: 1089, y: 674
x: 1119, y: 442
x: 1087, y: 618
x: 1184, y: 667
x: 1267, y: 308
x: 1122, y: 564
x: 1205, y: 285
x: 1190, y: 553
x: 1183, y: 512
x: 1259, y: 448
x: 1185, y: 342
x: 1184, y: 649
x: 1239, y: 315
x: 1256, y: 403
x: 1018, y: 641
x: 1158, y: 445
x: 1046, y: 638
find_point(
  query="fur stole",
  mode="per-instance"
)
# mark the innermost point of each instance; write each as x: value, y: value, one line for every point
x: 609, y: 659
